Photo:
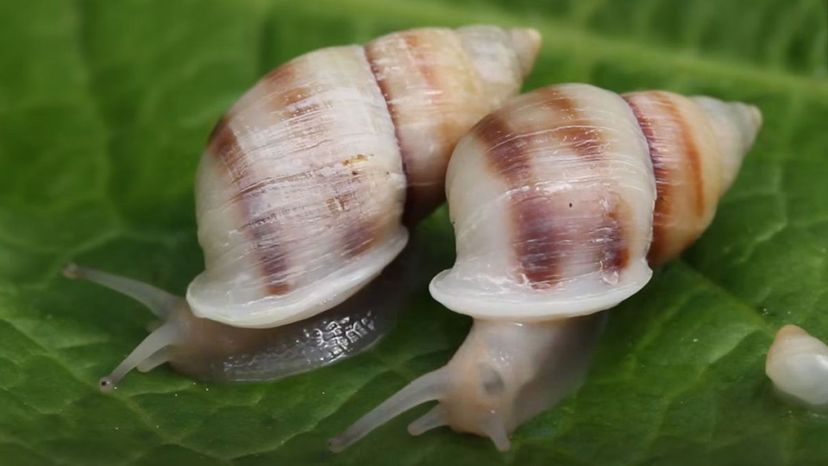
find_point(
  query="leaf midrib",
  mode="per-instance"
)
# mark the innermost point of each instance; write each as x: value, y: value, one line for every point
x: 563, y: 36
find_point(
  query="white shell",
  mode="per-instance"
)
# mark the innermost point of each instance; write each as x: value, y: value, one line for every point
x: 797, y: 364
x: 553, y: 197
x: 300, y: 170
x: 483, y: 208
x: 301, y: 191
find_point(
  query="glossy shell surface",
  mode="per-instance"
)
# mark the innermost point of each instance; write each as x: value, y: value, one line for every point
x: 563, y: 198
x: 301, y: 191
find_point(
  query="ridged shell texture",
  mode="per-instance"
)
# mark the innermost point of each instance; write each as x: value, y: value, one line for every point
x: 563, y: 198
x: 302, y: 188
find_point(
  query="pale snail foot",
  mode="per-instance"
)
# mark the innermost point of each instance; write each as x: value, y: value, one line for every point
x: 504, y: 374
x: 212, y: 351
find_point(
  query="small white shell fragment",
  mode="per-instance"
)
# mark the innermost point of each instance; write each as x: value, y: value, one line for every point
x: 797, y: 364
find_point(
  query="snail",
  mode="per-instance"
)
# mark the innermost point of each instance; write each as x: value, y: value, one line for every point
x: 797, y: 364
x: 561, y: 201
x: 301, y: 190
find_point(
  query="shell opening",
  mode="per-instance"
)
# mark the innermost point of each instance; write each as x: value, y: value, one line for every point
x: 426, y: 388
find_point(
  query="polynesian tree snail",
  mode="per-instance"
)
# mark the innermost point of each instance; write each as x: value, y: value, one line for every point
x: 561, y: 201
x: 797, y: 363
x: 301, y: 191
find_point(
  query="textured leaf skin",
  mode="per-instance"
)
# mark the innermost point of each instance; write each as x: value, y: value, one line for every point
x: 104, y: 109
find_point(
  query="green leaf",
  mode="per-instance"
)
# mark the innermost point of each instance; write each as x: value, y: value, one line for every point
x: 104, y: 109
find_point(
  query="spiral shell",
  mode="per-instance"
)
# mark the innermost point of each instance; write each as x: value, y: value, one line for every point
x: 302, y: 188
x: 555, y: 197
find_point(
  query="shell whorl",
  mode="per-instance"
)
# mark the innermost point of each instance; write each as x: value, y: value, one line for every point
x: 305, y: 179
x: 437, y: 84
x: 563, y: 198
x: 696, y: 145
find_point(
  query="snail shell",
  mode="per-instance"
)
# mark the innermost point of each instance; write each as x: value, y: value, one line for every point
x: 560, y: 201
x: 797, y: 363
x: 304, y: 180
x: 301, y: 191
x: 573, y: 190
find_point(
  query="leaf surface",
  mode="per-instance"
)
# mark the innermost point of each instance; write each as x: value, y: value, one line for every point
x: 104, y: 109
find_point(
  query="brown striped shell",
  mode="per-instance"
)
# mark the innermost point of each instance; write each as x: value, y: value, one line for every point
x: 563, y: 198
x: 302, y: 189
x: 555, y: 199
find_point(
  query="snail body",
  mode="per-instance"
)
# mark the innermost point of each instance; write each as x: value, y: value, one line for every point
x: 301, y: 192
x: 561, y: 201
x: 797, y: 363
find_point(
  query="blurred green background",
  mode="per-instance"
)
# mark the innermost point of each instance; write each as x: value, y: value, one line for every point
x: 104, y: 109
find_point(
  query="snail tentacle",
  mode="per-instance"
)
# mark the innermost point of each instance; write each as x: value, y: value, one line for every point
x: 436, y: 417
x: 426, y: 388
x: 148, y: 350
x: 159, y: 302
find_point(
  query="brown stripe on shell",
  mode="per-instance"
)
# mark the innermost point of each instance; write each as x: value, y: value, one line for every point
x: 414, y: 199
x: 287, y: 96
x: 412, y: 42
x: 281, y: 74
x: 294, y: 101
x: 506, y: 150
x: 539, y: 241
x: 663, y: 203
x: 412, y: 211
x: 535, y: 235
x: 371, y: 54
x: 615, y: 252
x: 272, y: 256
x: 688, y: 153
x: 262, y: 231
x: 219, y: 126
x: 224, y: 145
x: 582, y: 137
x: 359, y: 233
x: 691, y: 150
x: 359, y: 237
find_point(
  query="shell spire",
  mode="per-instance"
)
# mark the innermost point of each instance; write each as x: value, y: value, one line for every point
x: 526, y: 42
x: 736, y: 125
x: 696, y: 145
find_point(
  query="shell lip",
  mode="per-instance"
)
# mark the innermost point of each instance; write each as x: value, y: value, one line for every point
x: 527, y: 305
x: 304, y: 302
